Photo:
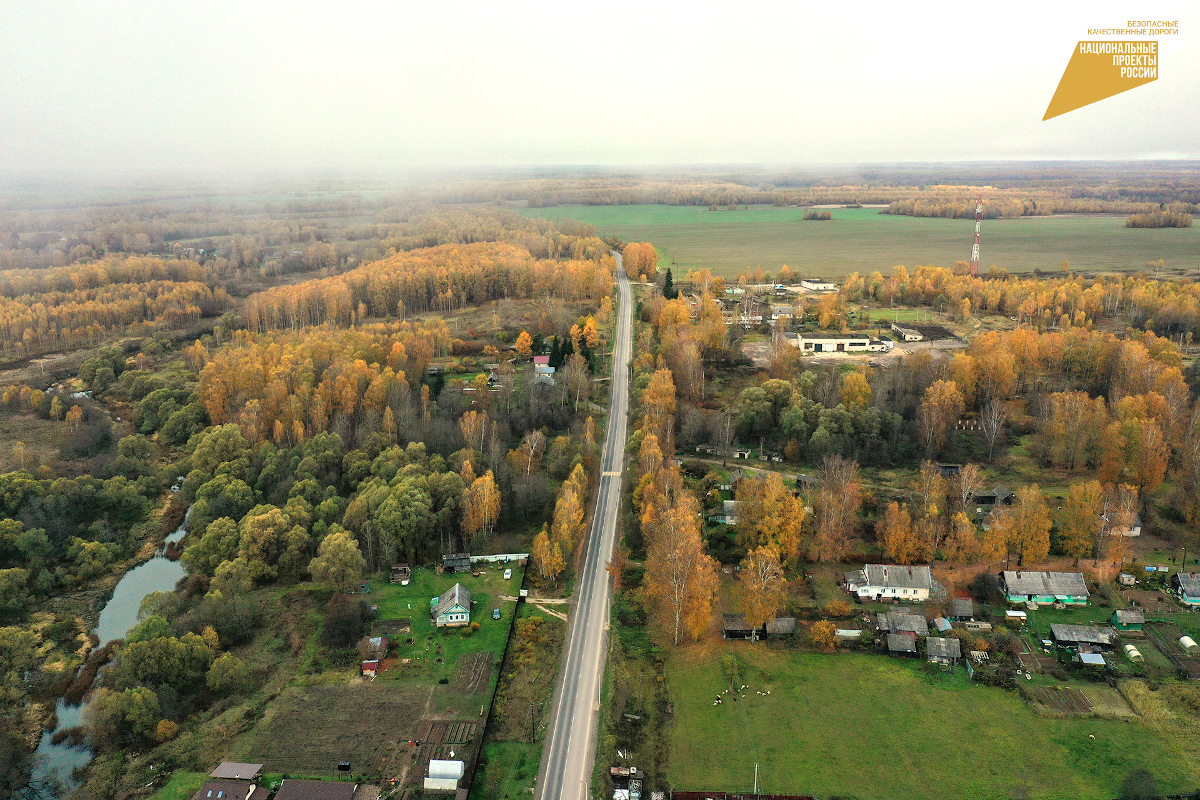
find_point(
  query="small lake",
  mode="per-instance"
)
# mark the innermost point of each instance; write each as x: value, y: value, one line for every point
x: 57, y: 762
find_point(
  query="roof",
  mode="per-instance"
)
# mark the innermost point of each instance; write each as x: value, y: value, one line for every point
x: 734, y: 622
x: 943, y: 648
x: 315, y: 790
x: 1056, y: 584
x: 455, y: 595
x: 942, y: 624
x: 1092, y: 658
x: 1083, y: 634
x: 898, y: 577
x: 446, y: 769
x: 236, y: 770
x: 902, y: 621
x: 901, y: 643
x: 1189, y: 582
x: 962, y: 607
x: 729, y: 507
x: 781, y: 625
x: 1130, y: 616
x: 816, y: 337
x: 230, y: 790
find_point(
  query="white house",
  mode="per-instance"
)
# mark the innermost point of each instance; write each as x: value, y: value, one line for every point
x: 890, y: 582
x: 453, y: 609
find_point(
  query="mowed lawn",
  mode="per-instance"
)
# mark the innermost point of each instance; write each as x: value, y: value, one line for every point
x: 863, y: 240
x: 873, y: 728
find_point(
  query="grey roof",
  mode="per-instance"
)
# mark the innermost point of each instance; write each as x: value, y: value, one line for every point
x: 456, y: 594
x: 962, y: 607
x: 230, y: 790
x: 898, y: 577
x: 857, y: 577
x: 781, y: 625
x: 292, y: 789
x: 1189, y: 582
x: 236, y: 770
x: 943, y: 648
x: 1064, y: 584
x: 899, y: 621
x: 735, y: 622
x: 1083, y: 634
x: 1130, y: 616
x: 901, y: 643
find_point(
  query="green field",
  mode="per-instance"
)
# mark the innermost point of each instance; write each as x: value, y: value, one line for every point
x: 862, y: 240
x: 874, y: 728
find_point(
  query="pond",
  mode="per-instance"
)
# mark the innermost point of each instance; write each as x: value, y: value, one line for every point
x: 56, y: 763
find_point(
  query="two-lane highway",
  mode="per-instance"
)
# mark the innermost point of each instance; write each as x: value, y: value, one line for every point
x: 570, y: 750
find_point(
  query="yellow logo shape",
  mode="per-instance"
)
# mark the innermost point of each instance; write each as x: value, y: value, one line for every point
x: 1101, y: 69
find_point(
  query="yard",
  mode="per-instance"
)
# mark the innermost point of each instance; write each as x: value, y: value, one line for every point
x: 871, y: 727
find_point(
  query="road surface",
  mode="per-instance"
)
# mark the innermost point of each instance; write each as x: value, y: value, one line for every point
x: 570, y: 746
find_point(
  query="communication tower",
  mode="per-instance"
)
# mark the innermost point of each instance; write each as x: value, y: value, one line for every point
x: 975, y: 247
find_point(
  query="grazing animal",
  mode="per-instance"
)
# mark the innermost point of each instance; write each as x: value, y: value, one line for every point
x: 1092, y: 736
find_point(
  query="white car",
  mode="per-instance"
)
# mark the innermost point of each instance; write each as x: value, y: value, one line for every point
x: 508, y: 574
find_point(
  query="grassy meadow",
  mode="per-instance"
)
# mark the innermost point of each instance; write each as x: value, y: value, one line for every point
x: 875, y: 728
x: 862, y: 240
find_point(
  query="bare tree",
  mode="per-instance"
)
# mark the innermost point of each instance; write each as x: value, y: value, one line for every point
x: 837, y: 504
x: 724, y: 436
x: 968, y: 484
x: 991, y: 422
x: 576, y: 379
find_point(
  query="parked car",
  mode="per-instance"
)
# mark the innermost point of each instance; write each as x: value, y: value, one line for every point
x: 495, y: 613
x: 508, y: 574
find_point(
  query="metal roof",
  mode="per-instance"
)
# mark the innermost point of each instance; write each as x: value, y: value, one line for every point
x: 943, y: 648
x: 1092, y: 658
x: 1189, y: 582
x: 236, y: 770
x: 1083, y: 634
x: 893, y: 576
x: 456, y: 594
x: 1057, y: 584
x: 1130, y: 616
x: 900, y: 621
x: 901, y: 643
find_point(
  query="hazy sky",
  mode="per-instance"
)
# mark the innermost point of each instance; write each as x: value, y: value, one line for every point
x: 124, y: 84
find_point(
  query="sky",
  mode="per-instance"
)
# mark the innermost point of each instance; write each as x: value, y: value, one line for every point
x: 128, y: 85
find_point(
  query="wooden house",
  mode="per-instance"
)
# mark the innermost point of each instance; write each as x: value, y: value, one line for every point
x: 1186, y: 586
x: 943, y: 651
x: 453, y: 608
x: 734, y: 626
x: 902, y: 644
x: 962, y: 609
x: 1084, y: 638
x: 1021, y: 586
x: 1128, y: 619
x: 902, y: 621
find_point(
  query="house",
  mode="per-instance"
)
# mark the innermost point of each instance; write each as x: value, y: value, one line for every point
x: 237, y: 771
x: 292, y: 789
x: 904, y: 644
x: 374, y: 652
x: 729, y: 512
x: 1044, y: 587
x: 734, y: 626
x: 231, y: 790
x: 781, y: 626
x: 1084, y: 638
x: 906, y: 334
x: 832, y: 342
x: 997, y: 495
x: 458, y: 562
x: 1128, y: 619
x: 890, y: 582
x: 906, y: 620
x: 401, y: 574
x: 944, y: 651
x: 949, y: 470
x: 453, y: 608
x: 1125, y: 579
x: 1132, y: 526
x: 443, y: 776
x: 1186, y: 586
x: 962, y: 609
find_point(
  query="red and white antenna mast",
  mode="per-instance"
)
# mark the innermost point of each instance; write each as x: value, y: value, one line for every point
x: 975, y: 247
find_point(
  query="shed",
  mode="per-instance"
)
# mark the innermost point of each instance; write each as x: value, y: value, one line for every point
x: 947, y: 651
x: 902, y: 643
x: 734, y: 626
x: 236, y: 770
x: 1125, y: 579
x: 942, y: 624
x: 453, y: 608
x: 457, y: 562
x: 401, y: 573
x: 1092, y: 659
x: 1128, y: 619
x: 1085, y: 638
x: 962, y: 609
x: 781, y: 626
x: 292, y: 789
x: 903, y: 621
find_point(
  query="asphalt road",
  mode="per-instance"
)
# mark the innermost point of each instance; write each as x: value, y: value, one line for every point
x: 570, y: 745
